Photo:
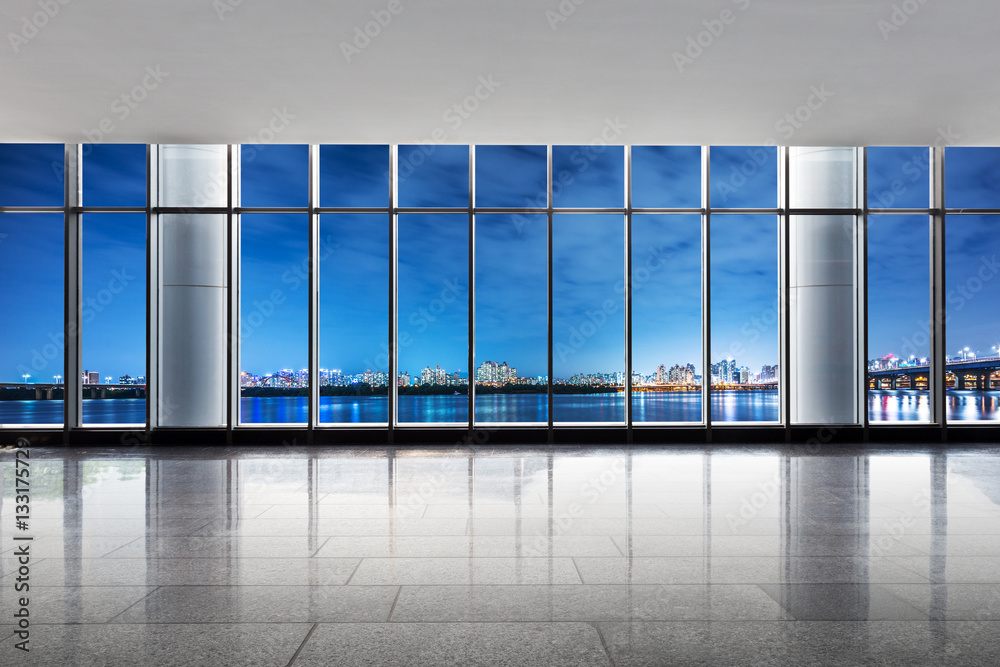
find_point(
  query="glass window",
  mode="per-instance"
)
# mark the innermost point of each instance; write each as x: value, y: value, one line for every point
x: 433, y: 175
x: 588, y: 176
x: 274, y: 318
x: 666, y: 176
x: 588, y: 301
x: 744, y: 176
x: 354, y: 318
x: 31, y: 328
x: 114, y: 175
x: 511, y: 318
x: 745, y: 318
x: 354, y: 176
x: 433, y: 318
x: 899, y: 177
x: 898, y: 318
x: 32, y: 174
x: 511, y: 176
x: 666, y: 318
x: 113, y: 318
x: 274, y: 175
x: 972, y: 292
x: 972, y: 178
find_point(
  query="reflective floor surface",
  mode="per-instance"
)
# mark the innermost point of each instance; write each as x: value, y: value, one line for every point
x: 500, y: 556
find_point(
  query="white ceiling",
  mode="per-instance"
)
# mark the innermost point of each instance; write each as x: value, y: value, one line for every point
x: 229, y: 64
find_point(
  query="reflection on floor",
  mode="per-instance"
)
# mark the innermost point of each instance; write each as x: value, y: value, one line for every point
x: 500, y: 556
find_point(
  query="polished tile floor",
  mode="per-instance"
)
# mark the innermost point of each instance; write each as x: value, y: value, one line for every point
x: 282, y: 556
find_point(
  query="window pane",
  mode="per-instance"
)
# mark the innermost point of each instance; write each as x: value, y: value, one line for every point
x: 433, y: 318
x: 666, y: 176
x: 354, y: 318
x: 274, y: 318
x: 899, y: 177
x: 31, y: 328
x: 898, y: 318
x: 274, y: 175
x: 588, y: 176
x: 433, y: 175
x: 511, y: 318
x: 509, y: 176
x: 973, y: 291
x: 745, y: 318
x: 354, y: 176
x: 972, y: 178
x: 666, y: 318
x: 744, y: 176
x: 32, y: 174
x: 588, y: 301
x: 114, y: 175
x: 113, y: 318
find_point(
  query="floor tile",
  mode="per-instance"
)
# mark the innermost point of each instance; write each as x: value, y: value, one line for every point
x: 195, y: 571
x: 841, y: 602
x: 470, y: 571
x: 455, y: 644
x: 263, y: 604
x: 85, y: 604
x: 813, y: 643
x: 582, y: 603
x: 528, y: 546
x: 176, y: 645
x: 734, y: 570
x: 217, y: 547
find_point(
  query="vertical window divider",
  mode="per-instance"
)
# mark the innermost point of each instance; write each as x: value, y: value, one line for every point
x: 391, y: 416
x: 861, y: 282
x: 234, y: 222
x: 548, y: 212
x: 784, y: 287
x: 314, y: 288
x: 938, y: 377
x: 73, y: 283
x: 470, y: 383
x: 706, y: 293
x: 152, y: 288
x: 628, y: 295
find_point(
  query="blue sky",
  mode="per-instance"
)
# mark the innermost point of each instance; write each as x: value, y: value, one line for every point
x: 510, y: 309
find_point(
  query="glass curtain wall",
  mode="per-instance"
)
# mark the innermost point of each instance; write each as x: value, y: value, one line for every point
x: 497, y: 285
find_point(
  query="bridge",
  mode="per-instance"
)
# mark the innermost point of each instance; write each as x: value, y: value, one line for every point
x: 44, y: 391
x: 982, y: 373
